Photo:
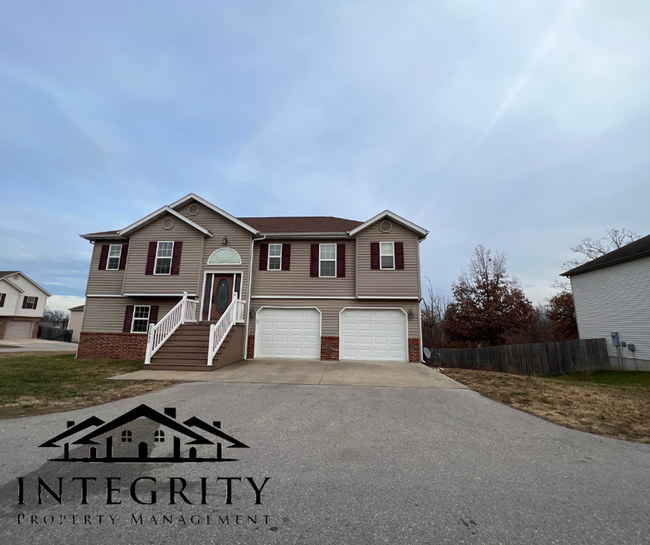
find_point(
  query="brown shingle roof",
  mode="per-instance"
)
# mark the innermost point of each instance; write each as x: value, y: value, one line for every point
x: 304, y: 224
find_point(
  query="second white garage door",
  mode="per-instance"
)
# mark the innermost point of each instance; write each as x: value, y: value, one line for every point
x: 18, y: 330
x: 373, y: 335
x: 288, y: 333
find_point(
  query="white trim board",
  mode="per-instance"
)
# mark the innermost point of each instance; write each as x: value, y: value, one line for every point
x: 214, y: 208
x: 161, y: 211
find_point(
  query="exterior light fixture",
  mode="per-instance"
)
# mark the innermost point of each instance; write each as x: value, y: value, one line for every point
x: 251, y: 313
x: 225, y: 241
x: 411, y: 315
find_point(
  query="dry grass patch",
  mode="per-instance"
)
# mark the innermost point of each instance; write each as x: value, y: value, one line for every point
x: 42, y: 383
x: 609, y: 403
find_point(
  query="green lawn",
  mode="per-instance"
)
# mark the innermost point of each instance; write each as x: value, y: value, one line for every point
x: 637, y: 379
x: 31, y: 384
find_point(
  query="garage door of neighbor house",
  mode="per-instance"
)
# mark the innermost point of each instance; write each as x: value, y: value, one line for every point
x: 288, y: 333
x: 368, y: 334
x: 18, y: 330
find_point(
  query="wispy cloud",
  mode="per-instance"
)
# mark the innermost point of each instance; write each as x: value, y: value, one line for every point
x: 540, y: 53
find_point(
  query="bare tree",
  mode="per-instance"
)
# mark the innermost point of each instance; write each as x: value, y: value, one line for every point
x: 433, y: 317
x: 592, y: 248
x: 55, y: 316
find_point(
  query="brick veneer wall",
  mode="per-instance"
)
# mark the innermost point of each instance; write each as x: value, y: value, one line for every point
x: 414, y: 349
x: 115, y: 346
x: 250, y: 352
x: 329, y: 348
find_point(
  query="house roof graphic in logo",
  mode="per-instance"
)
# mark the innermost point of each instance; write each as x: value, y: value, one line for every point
x: 130, y: 437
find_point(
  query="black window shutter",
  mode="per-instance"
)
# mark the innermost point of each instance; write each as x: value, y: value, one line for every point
x: 35, y: 302
x: 374, y: 255
x: 151, y: 257
x: 153, y: 314
x: 24, y: 301
x: 264, y: 256
x: 128, y: 318
x: 313, y: 269
x: 399, y: 255
x: 340, y: 260
x: 103, y: 257
x: 125, y: 252
x: 2, y: 299
x: 176, y: 258
x: 286, y: 257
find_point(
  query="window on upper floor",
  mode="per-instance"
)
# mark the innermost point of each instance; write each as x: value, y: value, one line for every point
x: 224, y: 256
x: 275, y: 257
x: 30, y: 303
x: 164, y: 254
x: 327, y: 262
x: 114, y: 255
x: 140, y: 319
x: 387, y: 255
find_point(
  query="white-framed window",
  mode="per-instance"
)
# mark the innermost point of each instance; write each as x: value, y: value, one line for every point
x: 327, y: 262
x: 114, y: 255
x: 140, y: 319
x: 164, y: 254
x: 224, y: 256
x: 387, y: 255
x: 275, y: 257
x: 31, y: 303
x: 236, y: 288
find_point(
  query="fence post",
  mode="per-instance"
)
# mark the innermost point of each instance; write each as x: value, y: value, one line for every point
x: 184, y: 307
x: 147, y: 358
x: 211, y: 345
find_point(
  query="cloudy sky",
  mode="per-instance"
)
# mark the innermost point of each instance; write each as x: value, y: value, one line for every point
x: 522, y: 126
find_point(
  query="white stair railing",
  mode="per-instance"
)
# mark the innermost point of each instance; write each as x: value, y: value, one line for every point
x: 184, y: 311
x: 234, y: 314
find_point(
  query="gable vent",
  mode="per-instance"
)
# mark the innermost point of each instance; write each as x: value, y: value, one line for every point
x: 168, y: 223
x: 386, y: 226
x: 193, y: 209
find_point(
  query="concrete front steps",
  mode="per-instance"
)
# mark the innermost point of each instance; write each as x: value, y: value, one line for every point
x: 187, y: 349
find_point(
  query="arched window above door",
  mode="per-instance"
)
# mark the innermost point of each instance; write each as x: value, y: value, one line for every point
x: 224, y: 256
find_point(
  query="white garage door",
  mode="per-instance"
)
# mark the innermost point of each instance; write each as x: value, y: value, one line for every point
x: 18, y: 330
x: 373, y: 335
x: 288, y: 333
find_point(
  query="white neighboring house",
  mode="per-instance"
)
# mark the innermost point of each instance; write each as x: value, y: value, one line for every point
x: 612, y: 294
x: 75, y: 321
x: 22, y: 303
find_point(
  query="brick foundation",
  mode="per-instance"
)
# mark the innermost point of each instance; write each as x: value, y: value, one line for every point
x: 329, y: 348
x: 250, y: 352
x: 114, y: 346
x: 414, y: 349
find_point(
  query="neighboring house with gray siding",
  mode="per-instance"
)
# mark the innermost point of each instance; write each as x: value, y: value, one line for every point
x: 612, y: 294
x: 22, y: 303
x: 305, y: 287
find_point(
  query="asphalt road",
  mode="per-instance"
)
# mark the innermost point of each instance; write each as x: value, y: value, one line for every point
x: 346, y: 465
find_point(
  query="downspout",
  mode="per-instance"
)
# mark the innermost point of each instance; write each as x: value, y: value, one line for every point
x: 420, y: 302
x: 250, y: 291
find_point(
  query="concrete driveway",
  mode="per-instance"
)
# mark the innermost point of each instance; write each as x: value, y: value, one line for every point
x: 312, y: 372
x: 36, y: 345
x: 360, y: 465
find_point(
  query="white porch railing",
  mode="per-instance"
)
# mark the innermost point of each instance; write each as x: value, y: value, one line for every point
x: 184, y: 311
x: 218, y: 332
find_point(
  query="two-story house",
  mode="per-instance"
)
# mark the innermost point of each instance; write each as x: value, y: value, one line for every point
x: 236, y: 288
x: 22, y: 303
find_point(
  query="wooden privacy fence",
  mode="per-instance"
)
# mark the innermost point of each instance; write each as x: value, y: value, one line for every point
x: 528, y: 359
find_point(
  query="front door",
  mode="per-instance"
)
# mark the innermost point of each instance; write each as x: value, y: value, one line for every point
x: 218, y: 295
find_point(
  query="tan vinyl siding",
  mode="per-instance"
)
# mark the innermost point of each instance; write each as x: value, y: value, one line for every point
x: 137, y: 282
x: 106, y: 314
x: 616, y: 298
x: 103, y: 282
x: 239, y: 239
x: 388, y: 283
x: 297, y: 281
x: 330, y: 309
